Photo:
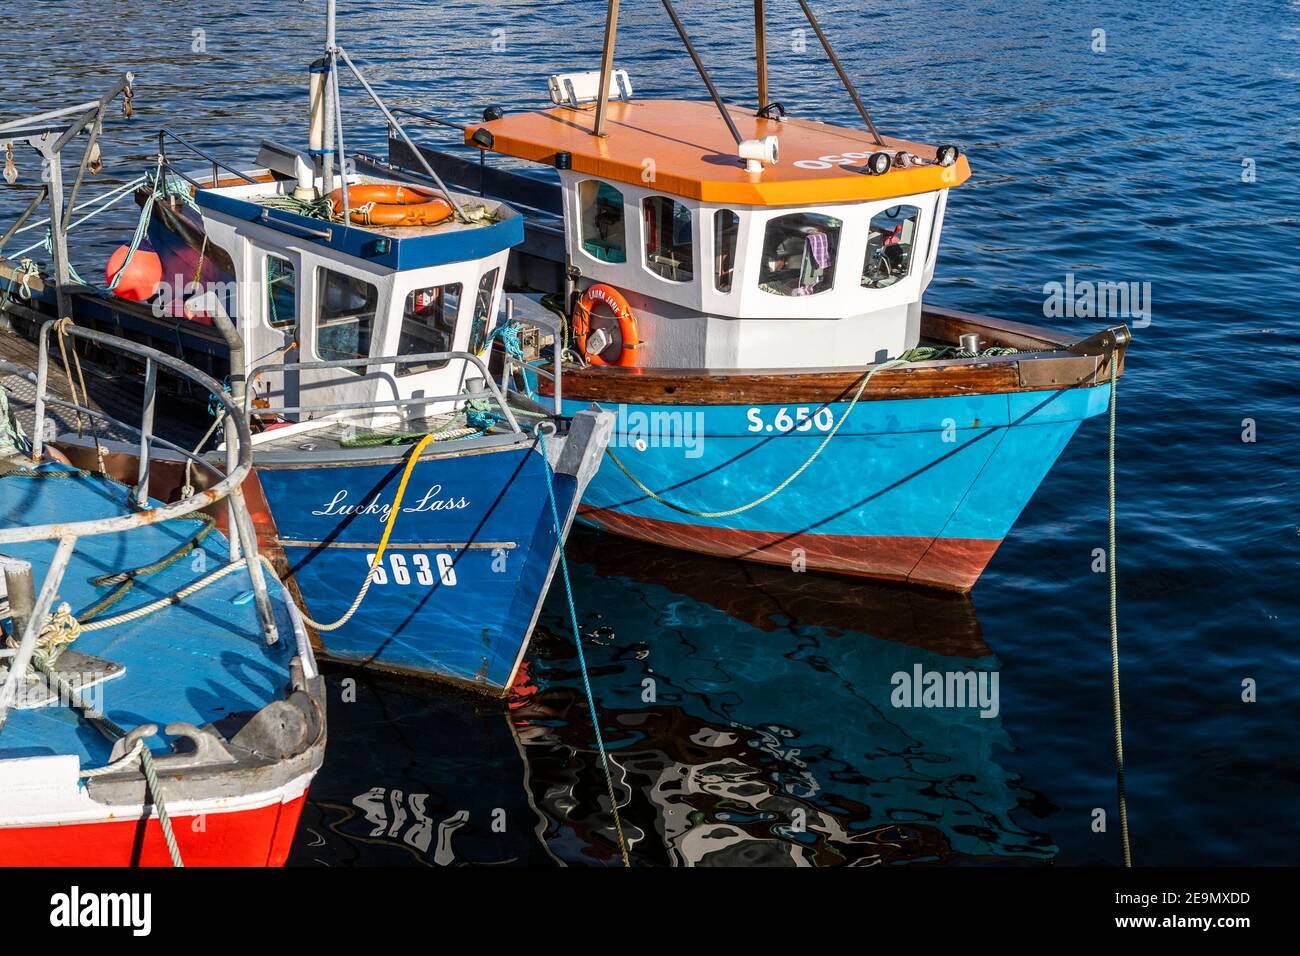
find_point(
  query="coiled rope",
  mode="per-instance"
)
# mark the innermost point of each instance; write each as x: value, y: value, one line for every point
x: 379, y: 552
x: 1114, y: 637
x: 582, y: 659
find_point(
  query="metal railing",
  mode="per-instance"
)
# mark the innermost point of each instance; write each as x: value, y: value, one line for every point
x: 217, y: 165
x: 492, y: 391
x: 228, y: 487
x: 548, y: 323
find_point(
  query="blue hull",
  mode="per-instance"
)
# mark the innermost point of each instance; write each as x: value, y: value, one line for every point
x: 921, y: 490
x: 466, y: 569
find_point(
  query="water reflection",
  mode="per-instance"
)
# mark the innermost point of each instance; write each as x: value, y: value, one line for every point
x: 749, y: 714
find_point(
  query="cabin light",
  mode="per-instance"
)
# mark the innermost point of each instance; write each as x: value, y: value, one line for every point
x: 563, y: 159
x: 878, y: 163
x: 482, y: 138
x: 946, y: 155
x: 493, y: 112
x: 758, y: 153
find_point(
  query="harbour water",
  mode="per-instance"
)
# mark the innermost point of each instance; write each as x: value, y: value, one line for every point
x: 752, y: 712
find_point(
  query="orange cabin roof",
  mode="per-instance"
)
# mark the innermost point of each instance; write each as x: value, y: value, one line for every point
x: 695, y: 156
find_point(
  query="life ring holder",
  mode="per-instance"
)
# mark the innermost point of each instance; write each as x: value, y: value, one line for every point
x: 393, y: 204
x: 627, y: 327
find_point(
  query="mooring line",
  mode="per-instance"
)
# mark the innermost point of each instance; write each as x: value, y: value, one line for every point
x: 582, y: 659
x: 1114, y: 639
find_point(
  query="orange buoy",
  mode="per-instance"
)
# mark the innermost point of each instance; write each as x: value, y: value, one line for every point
x: 620, y: 350
x: 141, y: 277
x: 393, y: 204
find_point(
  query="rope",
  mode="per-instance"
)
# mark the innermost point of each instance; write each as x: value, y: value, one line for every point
x: 112, y: 731
x: 62, y: 327
x: 892, y: 363
x: 925, y: 353
x: 142, y: 224
x: 508, y: 332
x: 57, y: 633
x: 110, y: 198
x: 582, y: 660
x: 27, y: 271
x: 383, y: 542
x: 163, y: 602
x: 187, y: 489
x: 117, y: 766
x: 1114, y: 639
x: 151, y: 776
x: 321, y: 208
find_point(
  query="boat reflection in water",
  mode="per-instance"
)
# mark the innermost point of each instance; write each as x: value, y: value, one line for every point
x: 747, y: 710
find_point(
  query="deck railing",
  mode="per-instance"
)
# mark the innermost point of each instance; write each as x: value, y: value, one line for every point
x: 243, y: 540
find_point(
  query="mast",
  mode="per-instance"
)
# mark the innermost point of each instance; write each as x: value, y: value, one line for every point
x: 606, y: 66
x: 331, y: 72
x: 760, y: 50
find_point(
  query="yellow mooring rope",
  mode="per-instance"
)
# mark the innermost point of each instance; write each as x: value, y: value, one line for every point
x: 383, y: 543
x: 1114, y: 638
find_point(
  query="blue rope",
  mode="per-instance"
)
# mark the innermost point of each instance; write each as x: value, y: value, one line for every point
x: 509, y: 333
x: 582, y: 659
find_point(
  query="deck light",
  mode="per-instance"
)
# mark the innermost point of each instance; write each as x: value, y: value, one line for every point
x: 902, y: 159
x: 493, y: 112
x: 878, y: 163
x: 564, y: 159
x: 946, y: 155
x: 482, y: 138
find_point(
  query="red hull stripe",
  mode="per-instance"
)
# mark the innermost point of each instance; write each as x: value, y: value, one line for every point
x: 258, y: 837
x: 952, y: 563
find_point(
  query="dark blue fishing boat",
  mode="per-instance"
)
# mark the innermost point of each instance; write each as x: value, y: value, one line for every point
x: 415, y: 510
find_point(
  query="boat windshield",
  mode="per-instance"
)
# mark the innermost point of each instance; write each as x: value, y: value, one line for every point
x: 799, y: 253
x: 889, y: 246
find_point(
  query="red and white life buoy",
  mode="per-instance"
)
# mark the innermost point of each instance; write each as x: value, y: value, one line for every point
x: 624, y: 337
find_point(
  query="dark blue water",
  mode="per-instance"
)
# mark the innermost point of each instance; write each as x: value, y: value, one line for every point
x: 749, y: 709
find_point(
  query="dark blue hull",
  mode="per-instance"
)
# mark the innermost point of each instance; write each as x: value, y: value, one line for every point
x: 468, y: 564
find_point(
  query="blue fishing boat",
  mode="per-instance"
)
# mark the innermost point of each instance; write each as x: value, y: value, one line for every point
x: 746, y: 289
x: 159, y: 699
x: 414, y: 507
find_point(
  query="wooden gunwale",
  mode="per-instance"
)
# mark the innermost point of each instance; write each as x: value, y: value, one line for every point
x: 1047, y: 359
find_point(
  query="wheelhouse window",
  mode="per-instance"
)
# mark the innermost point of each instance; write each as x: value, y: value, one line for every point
x: 726, y: 230
x: 428, y: 325
x: 890, y: 245
x: 669, y: 251
x: 604, y: 236
x: 483, y: 311
x: 345, y: 319
x: 799, y: 253
x: 281, y: 293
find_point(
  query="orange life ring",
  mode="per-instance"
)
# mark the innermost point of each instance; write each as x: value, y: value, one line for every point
x: 393, y: 204
x: 619, y: 352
